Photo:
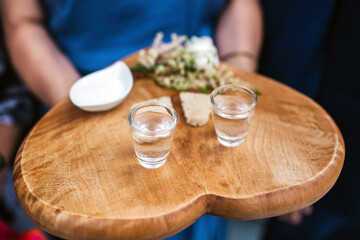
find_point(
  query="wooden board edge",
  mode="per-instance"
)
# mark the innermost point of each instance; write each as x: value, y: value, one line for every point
x: 87, y: 227
x: 267, y: 205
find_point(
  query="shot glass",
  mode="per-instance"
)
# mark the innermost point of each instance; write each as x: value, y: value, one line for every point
x: 152, y: 128
x: 233, y: 108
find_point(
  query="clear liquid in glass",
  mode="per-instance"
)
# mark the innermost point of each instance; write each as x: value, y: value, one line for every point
x: 232, y: 128
x: 152, y: 144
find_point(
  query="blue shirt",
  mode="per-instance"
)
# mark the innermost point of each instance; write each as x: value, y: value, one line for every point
x: 94, y: 33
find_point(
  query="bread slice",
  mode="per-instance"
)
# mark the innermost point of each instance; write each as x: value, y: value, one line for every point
x: 196, y: 107
x: 164, y: 100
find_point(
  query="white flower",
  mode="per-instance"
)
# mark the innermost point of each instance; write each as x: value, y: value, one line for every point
x: 205, y: 52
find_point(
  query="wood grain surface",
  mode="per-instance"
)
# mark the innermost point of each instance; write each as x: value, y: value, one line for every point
x: 76, y: 174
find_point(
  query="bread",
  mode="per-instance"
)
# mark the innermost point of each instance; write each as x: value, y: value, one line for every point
x: 196, y: 107
x: 164, y: 100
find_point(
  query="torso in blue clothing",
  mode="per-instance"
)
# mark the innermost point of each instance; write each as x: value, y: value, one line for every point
x: 94, y: 33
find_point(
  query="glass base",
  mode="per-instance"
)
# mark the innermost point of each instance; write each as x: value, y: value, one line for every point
x: 151, y: 165
x: 230, y: 143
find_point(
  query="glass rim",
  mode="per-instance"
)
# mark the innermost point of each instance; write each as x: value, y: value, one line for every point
x: 252, y: 106
x: 155, y: 104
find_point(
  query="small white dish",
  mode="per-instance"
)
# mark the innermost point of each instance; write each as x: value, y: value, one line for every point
x: 104, y: 89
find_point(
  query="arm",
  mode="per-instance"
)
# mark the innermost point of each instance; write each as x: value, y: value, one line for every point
x: 240, y: 30
x: 38, y: 61
x: 8, y: 139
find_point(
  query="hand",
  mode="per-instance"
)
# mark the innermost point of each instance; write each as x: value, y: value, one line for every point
x: 296, y: 217
x: 243, y: 63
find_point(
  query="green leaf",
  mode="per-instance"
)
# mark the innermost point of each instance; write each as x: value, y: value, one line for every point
x: 256, y: 91
x: 139, y: 68
x: 214, y: 76
x: 204, y: 89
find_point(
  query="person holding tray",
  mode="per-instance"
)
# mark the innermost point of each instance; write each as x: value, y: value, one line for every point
x: 53, y: 43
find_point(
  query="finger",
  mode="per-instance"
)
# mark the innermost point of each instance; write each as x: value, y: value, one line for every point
x: 285, y: 218
x: 308, y: 210
x: 295, y: 218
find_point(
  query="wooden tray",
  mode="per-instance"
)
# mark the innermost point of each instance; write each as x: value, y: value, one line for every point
x: 76, y: 174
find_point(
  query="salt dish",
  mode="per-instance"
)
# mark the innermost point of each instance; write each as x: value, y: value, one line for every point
x: 104, y: 89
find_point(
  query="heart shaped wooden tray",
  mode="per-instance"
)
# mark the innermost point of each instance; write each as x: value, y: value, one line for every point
x: 76, y: 174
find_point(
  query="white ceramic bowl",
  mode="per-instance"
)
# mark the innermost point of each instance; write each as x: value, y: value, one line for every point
x: 104, y: 89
